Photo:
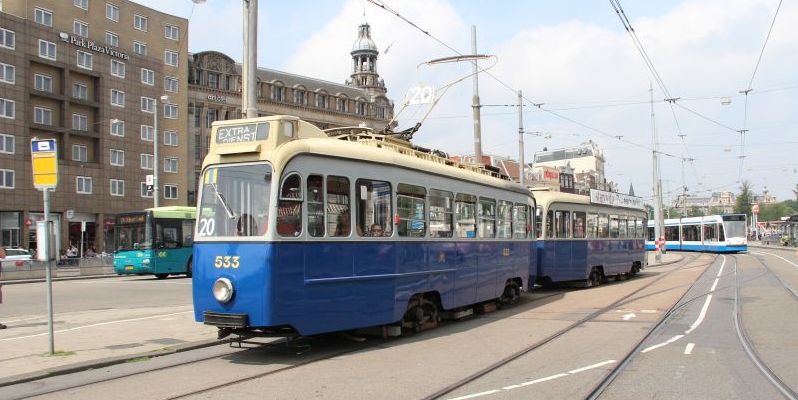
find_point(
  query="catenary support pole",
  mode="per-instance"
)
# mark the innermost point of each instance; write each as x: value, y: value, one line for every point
x: 475, y: 106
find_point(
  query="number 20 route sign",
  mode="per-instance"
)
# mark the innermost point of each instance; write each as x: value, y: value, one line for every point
x: 44, y: 155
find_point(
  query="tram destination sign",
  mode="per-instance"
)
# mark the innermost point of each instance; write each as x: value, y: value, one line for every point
x: 242, y: 133
x: 615, y: 199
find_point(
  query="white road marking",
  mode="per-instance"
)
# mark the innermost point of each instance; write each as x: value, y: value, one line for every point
x: 689, y: 348
x: 648, y: 311
x: 97, y: 324
x: 601, y: 364
x: 629, y: 316
x: 714, y: 285
x: 788, y: 261
x: 548, y: 378
x: 24, y: 319
x: 471, y: 396
x: 701, y: 315
x: 667, y: 342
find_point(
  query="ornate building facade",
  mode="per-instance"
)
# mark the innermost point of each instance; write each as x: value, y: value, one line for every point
x: 214, y: 93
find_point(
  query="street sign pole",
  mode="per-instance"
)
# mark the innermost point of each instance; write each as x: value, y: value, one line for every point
x: 44, y: 159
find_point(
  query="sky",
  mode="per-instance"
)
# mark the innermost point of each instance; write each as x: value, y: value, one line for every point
x: 577, y: 59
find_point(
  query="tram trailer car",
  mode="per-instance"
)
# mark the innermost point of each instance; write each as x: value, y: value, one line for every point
x: 712, y: 233
x: 585, y: 242
x: 299, y: 233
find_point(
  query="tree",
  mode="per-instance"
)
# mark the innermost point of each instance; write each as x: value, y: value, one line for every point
x: 773, y: 212
x: 743, y: 203
x: 695, y: 211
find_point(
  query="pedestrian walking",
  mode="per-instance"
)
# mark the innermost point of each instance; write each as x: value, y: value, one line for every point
x: 2, y: 257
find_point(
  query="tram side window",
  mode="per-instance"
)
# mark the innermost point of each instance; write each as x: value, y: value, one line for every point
x: 640, y: 224
x: 622, y: 232
x: 550, y: 224
x: 440, y: 213
x: 721, y: 233
x: 315, y: 205
x: 579, y: 224
x: 613, y: 226
x: 410, y: 207
x: 374, y: 208
x: 504, y: 220
x: 465, y: 208
x: 651, y: 234
x: 672, y: 233
x: 539, y: 222
x: 487, y: 218
x: 562, y: 224
x: 520, y: 212
x: 604, y: 226
x: 691, y: 233
x: 289, y: 207
x: 592, y: 226
x: 339, y: 218
x: 709, y: 233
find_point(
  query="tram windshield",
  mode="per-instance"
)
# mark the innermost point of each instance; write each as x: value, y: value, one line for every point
x: 133, y: 232
x: 734, y: 226
x: 234, y: 200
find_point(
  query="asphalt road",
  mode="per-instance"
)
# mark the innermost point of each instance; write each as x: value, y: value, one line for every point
x: 696, y: 353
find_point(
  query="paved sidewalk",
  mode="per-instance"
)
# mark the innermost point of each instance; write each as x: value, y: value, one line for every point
x: 667, y: 258
x: 97, y: 338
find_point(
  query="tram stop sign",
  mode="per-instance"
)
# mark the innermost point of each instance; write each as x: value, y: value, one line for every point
x: 44, y: 156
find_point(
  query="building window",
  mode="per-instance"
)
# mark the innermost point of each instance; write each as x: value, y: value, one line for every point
x: 147, y: 133
x: 7, y: 143
x: 42, y: 116
x: 6, y: 178
x: 170, y: 164
x: 146, y: 161
x: 147, y: 104
x: 8, y: 73
x: 117, y: 128
x: 140, y: 48
x: 170, y: 111
x: 210, y: 116
x: 361, y: 108
x: 80, y: 122
x: 118, y: 68
x: 7, y: 39
x: 147, y: 76
x: 47, y: 49
x: 80, y: 28
x: 84, y: 60
x: 170, y: 32
x: 277, y: 93
x: 170, y: 57
x: 80, y: 153
x: 140, y: 22
x: 213, y: 80
x: 321, y: 101
x: 9, y: 226
x: 43, y: 83
x: 381, y: 112
x: 144, y: 192
x: 112, y: 39
x: 170, y: 84
x: 117, y: 187
x: 83, y: 184
x: 299, y: 96
x: 84, y: 4
x: 170, y: 192
x: 42, y: 16
x: 112, y: 12
x: 80, y: 91
x: 117, y: 98
x: 341, y: 105
x: 170, y: 138
x: 7, y: 108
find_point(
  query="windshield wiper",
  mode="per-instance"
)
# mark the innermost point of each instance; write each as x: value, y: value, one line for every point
x: 230, y: 213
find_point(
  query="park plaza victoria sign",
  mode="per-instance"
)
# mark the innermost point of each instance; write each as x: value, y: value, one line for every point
x: 93, y: 46
x: 615, y: 199
x: 242, y: 133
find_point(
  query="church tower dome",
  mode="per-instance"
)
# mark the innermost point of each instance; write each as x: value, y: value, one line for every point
x: 364, y: 63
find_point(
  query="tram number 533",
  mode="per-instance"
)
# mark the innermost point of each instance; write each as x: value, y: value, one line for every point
x: 226, y: 262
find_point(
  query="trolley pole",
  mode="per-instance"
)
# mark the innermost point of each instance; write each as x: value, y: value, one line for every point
x: 250, y: 66
x: 475, y: 106
x: 521, y: 165
x: 658, y: 221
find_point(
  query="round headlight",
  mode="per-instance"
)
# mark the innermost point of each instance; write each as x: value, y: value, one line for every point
x: 223, y: 290
x: 146, y: 261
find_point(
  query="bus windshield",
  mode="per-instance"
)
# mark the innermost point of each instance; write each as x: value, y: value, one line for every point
x: 234, y: 200
x: 133, y: 232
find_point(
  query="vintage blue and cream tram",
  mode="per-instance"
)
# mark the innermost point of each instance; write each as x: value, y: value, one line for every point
x: 301, y: 232
x: 586, y: 239
x: 711, y: 233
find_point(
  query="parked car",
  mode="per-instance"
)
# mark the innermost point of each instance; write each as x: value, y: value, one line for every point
x: 16, y: 257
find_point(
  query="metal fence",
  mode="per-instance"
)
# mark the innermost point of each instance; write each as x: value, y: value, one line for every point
x: 10, y: 268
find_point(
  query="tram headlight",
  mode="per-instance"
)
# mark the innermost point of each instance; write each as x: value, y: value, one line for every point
x: 223, y: 290
x: 146, y: 261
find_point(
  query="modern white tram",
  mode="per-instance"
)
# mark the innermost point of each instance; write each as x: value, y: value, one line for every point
x: 711, y: 233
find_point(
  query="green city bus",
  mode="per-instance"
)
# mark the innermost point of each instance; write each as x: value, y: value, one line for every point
x: 156, y: 241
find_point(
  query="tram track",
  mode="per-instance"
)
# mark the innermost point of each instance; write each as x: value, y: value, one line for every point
x: 537, y: 345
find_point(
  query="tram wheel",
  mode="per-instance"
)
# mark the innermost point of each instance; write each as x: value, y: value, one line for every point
x: 161, y: 276
x: 511, y: 295
x: 421, y: 314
